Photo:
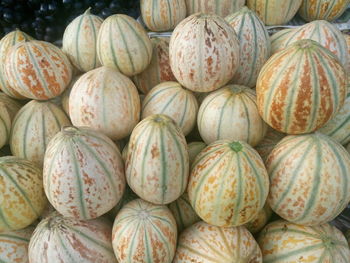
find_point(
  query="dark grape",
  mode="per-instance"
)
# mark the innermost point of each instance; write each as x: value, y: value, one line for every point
x: 52, y: 7
x: 106, y: 12
x: 8, y: 16
x: 7, y: 2
x: 78, y: 6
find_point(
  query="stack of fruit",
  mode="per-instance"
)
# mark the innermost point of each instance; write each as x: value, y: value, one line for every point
x: 126, y: 148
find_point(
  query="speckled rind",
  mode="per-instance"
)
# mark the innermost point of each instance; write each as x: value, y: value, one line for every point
x: 254, y: 42
x: 5, y: 125
x: 269, y: 142
x: 171, y: 99
x: 157, y: 164
x: 231, y: 113
x: 105, y: 100
x: 144, y: 232
x: 328, y: 10
x: 219, y: 7
x: 347, y: 39
x: 57, y: 239
x: 79, y: 41
x: 204, y: 52
x: 37, y: 70
x: 301, y: 88
x: 65, y: 95
x: 275, y: 12
x: 278, y: 39
x: 284, y: 242
x: 162, y: 15
x: 128, y: 196
x: 12, y: 105
x: 309, y: 179
x: 22, y: 198
x: 123, y: 43
x: 204, y: 243
x: 260, y: 220
x: 33, y: 127
x: 228, y: 184
x: 83, y: 173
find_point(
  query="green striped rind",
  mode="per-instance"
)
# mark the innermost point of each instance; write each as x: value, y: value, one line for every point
x: 278, y: 39
x: 206, y: 243
x: 339, y: 126
x: 269, y: 142
x: 275, y: 12
x: 144, y: 232
x: 282, y: 242
x: 71, y: 240
x: 219, y: 7
x: 301, y: 188
x: 171, y: 99
x: 22, y: 195
x: 105, y: 100
x: 83, y: 173
x: 260, y: 220
x: 157, y: 164
x: 300, y: 88
x: 125, y: 152
x: 123, y: 43
x: 14, y: 245
x: 79, y: 41
x: 183, y: 212
x: 254, y: 44
x: 162, y: 15
x: 13, y: 106
x: 65, y: 95
x: 323, y: 32
x: 312, y: 10
x: 5, y: 124
x: 158, y: 70
x: 6, y: 43
x: 194, y: 148
x: 128, y: 196
x: 33, y: 127
x: 231, y: 113
x: 228, y: 184
x: 347, y: 39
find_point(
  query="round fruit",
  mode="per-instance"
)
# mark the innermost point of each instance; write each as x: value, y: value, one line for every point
x: 282, y: 242
x: 328, y: 10
x: 83, y: 173
x: 144, y: 232
x: 229, y: 184
x: 12, y: 106
x: 309, y: 179
x: 278, y: 39
x: 231, y: 113
x: 37, y: 70
x: 5, y: 125
x: 265, y: 147
x: 128, y: 196
x: 204, y: 52
x: 171, y: 99
x: 211, y: 244
x: 194, y: 148
x: 105, y: 100
x: 219, y: 7
x: 65, y: 95
x: 22, y: 195
x: 260, y: 220
x: 300, y: 88
x: 157, y: 164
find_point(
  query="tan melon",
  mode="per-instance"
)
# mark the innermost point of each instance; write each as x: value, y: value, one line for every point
x: 219, y: 7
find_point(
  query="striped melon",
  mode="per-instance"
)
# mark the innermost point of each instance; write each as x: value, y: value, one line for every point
x: 205, y: 243
x: 14, y: 245
x: 309, y: 179
x: 183, y: 212
x: 278, y: 39
x: 37, y: 70
x: 254, y: 44
x: 6, y: 43
x: 275, y: 12
x: 339, y: 126
x: 159, y: 69
x: 260, y: 220
x: 231, y: 113
x: 328, y: 10
x: 13, y: 106
x: 323, y: 32
x: 5, y: 124
x: 22, y: 195
x: 65, y: 95
x: 128, y: 196
x: 269, y: 142
x: 194, y: 148
x: 83, y: 173
x: 204, y: 52
x: 157, y: 164
x: 125, y: 152
x: 347, y: 39
x: 283, y: 242
x: 105, y: 100
x: 122, y: 43
x: 348, y: 147
x: 79, y: 41
x: 300, y: 88
x: 219, y: 7
x: 57, y: 239
x: 33, y: 127
x: 162, y: 15
x: 347, y: 235
x: 171, y: 99
x: 144, y: 232
x: 228, y: 185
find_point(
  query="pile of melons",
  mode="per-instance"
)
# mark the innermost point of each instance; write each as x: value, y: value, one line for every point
x: 219, y: 144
